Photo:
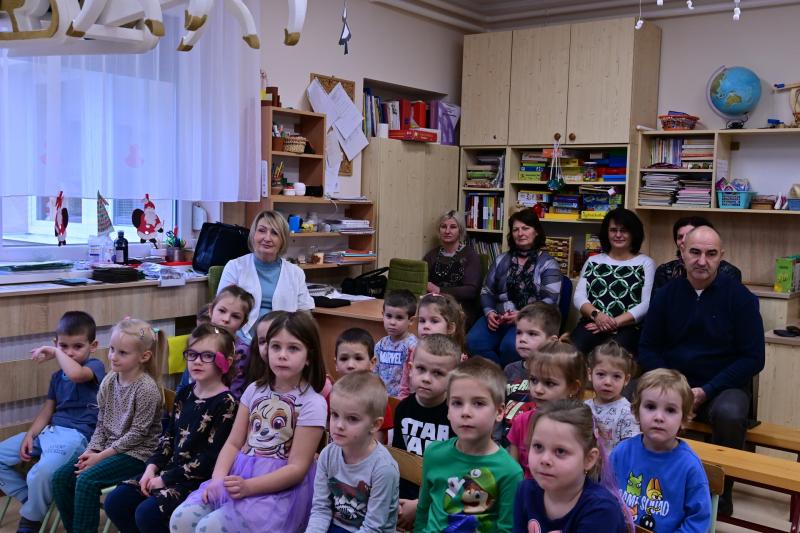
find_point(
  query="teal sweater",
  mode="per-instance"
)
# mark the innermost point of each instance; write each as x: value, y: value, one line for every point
x: 463, y: 492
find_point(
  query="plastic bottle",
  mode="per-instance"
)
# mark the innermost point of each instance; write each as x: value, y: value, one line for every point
x: 121, y: 249
x: 95, y: 249
x: 108, y: 252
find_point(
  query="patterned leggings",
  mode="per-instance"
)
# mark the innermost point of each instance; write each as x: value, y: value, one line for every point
x: 193, y: 517
x: 78, y: 497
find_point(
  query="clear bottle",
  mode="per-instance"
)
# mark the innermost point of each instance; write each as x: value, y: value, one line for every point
x: 121, y: 249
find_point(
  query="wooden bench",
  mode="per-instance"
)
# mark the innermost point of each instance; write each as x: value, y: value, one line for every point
x: 758, y: 470
x: 765, y: 434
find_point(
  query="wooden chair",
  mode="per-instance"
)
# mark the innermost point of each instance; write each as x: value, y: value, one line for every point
x: 410, y: 465
x: 716, y: 483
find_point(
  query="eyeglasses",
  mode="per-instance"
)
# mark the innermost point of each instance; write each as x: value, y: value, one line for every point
x: 206, y: 357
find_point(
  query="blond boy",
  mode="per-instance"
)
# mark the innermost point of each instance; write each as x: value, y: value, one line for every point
x: 469, y: 482
x: 356, y: 483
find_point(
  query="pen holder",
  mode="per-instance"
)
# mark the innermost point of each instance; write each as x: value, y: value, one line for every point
x: 278, y: 144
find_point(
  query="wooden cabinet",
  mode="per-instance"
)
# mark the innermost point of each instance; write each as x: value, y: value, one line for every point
x: 539, y: 85
x: 410, y: 184
x: 485, y: 83
x: 586, y: 83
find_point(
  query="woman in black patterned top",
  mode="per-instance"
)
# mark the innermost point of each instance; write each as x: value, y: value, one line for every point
x: 201, y: 420
x: 454, y: 267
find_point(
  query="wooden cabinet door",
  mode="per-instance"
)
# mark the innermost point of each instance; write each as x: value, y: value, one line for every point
x: 485, y: 85
x: 539, y: 85
x: 600, y: 82
x: 440, y: 192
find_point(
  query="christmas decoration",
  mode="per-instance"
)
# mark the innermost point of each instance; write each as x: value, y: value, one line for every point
x: 104, y: 225
x: 147, y: 223
x: 61, y: 219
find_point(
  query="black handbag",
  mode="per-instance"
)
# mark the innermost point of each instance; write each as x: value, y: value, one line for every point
x: 218, y: 243
x: 372, y: 283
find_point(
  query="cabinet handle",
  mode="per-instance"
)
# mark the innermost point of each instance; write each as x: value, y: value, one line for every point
x: 571, y: 136
x: 557, y: 136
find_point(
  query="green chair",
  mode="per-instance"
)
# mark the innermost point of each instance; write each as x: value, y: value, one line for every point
x: 408, y: 274
x: 214, y: 275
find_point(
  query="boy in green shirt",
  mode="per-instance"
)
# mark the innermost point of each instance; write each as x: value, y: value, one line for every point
x: 469, y: 482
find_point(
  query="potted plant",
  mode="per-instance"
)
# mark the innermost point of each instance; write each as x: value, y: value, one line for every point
x: 175, y: 246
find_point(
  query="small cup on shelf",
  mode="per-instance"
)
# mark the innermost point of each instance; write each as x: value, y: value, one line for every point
x: 278, y: 144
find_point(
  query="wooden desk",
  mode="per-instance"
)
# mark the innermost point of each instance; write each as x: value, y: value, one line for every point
x: 755, y: 469
x: 367, y: 314
x: 37, y: 307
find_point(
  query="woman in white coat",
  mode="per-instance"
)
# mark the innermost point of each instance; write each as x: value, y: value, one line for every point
x: 276, y: 284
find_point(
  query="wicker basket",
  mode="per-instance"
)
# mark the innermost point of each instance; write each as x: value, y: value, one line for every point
x: 678, y: 122
x: 296, y: 144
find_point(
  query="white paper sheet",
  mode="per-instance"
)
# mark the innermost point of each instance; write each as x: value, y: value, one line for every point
x: 333, y: 153
x: 320, y: 101
x: 352, y: 145
x: 348, y: 117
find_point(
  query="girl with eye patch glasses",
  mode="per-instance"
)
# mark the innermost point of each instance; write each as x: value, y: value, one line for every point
x: 198, y: 426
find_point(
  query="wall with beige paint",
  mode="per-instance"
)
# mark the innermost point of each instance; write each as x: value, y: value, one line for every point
x: 387, y: 45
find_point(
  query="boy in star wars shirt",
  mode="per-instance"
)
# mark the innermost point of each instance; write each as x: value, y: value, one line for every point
x: 469, y: 481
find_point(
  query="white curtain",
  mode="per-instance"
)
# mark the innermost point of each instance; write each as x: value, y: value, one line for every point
x: 174, y: 125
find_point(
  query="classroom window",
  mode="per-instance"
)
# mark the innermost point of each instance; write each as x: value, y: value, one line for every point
x: 28, y: 221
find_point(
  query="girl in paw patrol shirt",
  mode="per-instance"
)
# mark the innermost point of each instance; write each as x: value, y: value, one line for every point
x: 264, y: 475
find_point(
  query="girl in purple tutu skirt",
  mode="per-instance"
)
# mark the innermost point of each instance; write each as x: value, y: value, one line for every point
x: 263, y: 479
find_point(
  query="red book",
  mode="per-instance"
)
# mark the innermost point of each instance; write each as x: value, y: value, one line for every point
x: 418, y: 114
x: 405, y: 114
x: 413, y: 135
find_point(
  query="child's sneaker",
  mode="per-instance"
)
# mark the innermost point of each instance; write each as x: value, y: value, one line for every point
x: 28, y: 526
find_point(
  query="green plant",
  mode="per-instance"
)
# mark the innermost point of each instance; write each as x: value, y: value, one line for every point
x: 173, y: 241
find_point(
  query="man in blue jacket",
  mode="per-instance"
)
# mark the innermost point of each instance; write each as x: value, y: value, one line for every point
x: 708, y: 327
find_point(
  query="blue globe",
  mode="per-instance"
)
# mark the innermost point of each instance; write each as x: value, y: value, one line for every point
x: 734, y: 91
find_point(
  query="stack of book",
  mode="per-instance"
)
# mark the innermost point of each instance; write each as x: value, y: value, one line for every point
x: 482, y: 176
x: 658, y: 189
x: 532, y: 167
x: 349, y: 256
x: 497, y: 162
x: 350, y: 226
x: 694, y: 192
x: 696, y: 149
x: 610, y: 165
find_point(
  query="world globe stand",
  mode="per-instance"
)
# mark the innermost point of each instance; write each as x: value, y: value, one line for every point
x: 794, y: 99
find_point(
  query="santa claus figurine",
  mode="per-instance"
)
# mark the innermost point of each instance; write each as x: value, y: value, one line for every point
x: 146, y: 222
x: 61, y: 219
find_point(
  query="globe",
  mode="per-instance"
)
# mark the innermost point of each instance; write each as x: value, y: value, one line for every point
x: 734, y: 91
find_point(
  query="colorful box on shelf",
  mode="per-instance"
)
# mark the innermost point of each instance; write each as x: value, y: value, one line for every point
x: 416, y: 134
x: 561, y: 216
x: 787, y: 274
x: 593, y: 215
x: 533, y: 177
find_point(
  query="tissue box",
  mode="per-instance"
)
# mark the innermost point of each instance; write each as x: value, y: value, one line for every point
x: 787, y: 274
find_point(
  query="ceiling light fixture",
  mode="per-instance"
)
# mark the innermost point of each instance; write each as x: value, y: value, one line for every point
x: 689, y: 4
x: 737, y: 11
x: 639, y: 21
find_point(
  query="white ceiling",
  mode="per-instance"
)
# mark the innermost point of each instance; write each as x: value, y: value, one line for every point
x: 487, y: 15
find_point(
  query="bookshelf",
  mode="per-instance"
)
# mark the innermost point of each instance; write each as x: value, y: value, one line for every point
x: 392, y: 104
x: 767, y: 158
x: 309, y: 168
x: 752, y: 238
x: 525, y: 188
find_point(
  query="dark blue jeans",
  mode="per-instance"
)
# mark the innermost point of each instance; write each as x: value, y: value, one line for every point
x: 133, y: 512
x: 499, y: 345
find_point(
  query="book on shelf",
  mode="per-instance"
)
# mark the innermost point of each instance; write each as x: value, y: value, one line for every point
x: 419, y: 113
x: 486, y: 247
x: 484, y: 210
x: 415, y: 134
